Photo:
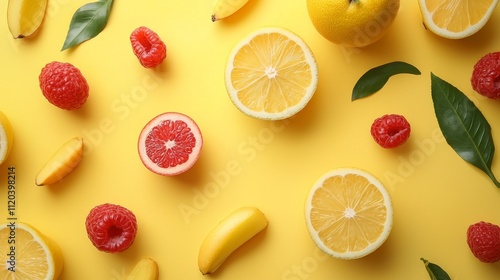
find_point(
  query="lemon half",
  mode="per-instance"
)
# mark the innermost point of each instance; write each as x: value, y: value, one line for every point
x: 35, y: 256
x: 348, y: 213
x: 271, y: 74
x: 456, y: 19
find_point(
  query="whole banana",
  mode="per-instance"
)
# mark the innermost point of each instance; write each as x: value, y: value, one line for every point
x: 225, y: 8
x: 145, y: 269
x: 227, y: 236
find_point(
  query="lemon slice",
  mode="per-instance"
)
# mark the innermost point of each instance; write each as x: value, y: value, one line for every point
x: 6, y: 137
x: 456, y: 19
x: 348, y: 213
x: 271, y: 74
x: 34, y: 256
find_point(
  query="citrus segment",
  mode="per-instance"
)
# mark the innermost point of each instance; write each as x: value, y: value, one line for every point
x: 36, y: 257
x: 6, y: 137
x: 456, y: 19
x: 170, y: 143
x: 271, y: 74
x: 348, y: 213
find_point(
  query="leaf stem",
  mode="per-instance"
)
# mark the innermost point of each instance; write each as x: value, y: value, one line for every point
x: 492, y: 177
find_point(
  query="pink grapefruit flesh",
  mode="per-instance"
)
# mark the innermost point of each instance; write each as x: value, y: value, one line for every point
x: 170, y: 144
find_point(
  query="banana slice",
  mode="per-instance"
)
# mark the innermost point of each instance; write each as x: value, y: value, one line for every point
x: 24, y: 17
x: 225, y: 8
x: 61, y: 163
x: 232, y: 232
x: 145, y: 269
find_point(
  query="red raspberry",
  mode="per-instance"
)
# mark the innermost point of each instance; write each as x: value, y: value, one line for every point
x: 485, y: 78
x: 484, y: 241
x: 390, y: 131
x: 63, y: 85
x: 111, y: 228
x: 148, y: 47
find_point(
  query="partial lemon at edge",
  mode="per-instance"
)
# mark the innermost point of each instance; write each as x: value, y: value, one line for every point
x: 352, y: 23
x: 456, y: 19
x: 6, y: 138
x: 35, y: 256
x: 348, y: 213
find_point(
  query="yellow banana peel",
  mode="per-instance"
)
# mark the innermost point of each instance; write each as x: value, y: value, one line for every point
x: 24, y: 17
x: 227, y: 236
x: 225, y: 8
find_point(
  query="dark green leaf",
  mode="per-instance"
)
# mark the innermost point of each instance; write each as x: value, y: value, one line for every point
x: 464, y: 127
x: 87, y: 22
x: 435, y: 271
x: 373, y: 80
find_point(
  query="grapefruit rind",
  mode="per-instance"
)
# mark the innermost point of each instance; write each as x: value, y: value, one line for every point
x: 349, y: 255
x: 178, y: 169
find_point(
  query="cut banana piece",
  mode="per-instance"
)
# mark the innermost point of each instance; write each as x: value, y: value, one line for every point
x: 24, y: 17
x: 225, y: 8
x: 61, y: 163
x: 145, y: 269
x: 232, y: 232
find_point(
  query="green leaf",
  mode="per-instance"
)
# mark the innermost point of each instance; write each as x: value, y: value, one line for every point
x: 435, y: 271
x: 464, y: 127
x: 373, y: 80
x: 87, y: 22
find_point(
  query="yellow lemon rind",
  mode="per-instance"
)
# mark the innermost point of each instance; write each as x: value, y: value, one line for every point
x: 353, y: 24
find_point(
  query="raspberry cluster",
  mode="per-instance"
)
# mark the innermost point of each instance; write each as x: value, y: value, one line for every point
x: 390, y: 131
x: 483, y: 239
x: 111, y: 228
x: 148, y: 47
x: 63, y: 85
x: 485, y: 78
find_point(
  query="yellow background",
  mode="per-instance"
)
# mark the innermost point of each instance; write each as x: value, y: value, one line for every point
x: 244, y: 161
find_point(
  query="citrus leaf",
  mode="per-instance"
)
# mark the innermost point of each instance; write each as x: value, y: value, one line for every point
x: 463, y: 126
x: 87, y: 22
x: 374, y: 79
x: 435, y: 271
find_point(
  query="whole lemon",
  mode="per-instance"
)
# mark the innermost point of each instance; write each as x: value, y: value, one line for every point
x: 352, y: 23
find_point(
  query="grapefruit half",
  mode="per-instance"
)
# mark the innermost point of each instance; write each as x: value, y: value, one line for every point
x: 170, y: 144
